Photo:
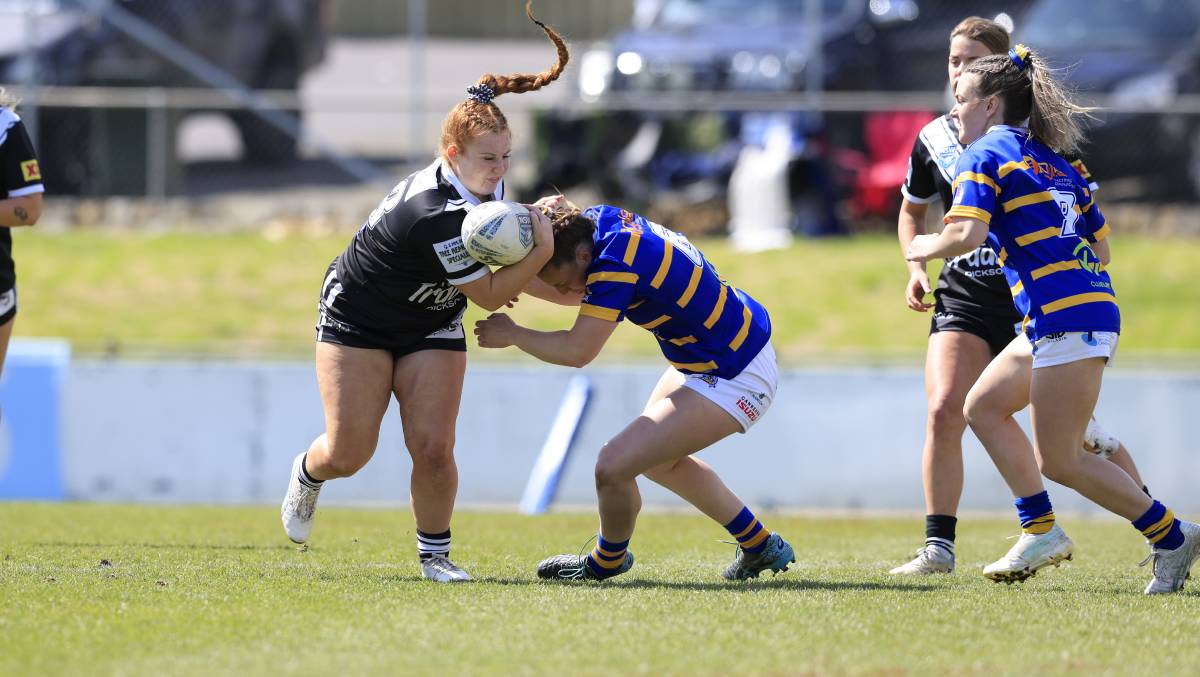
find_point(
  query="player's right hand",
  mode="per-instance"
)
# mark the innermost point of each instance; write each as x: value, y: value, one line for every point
x: 916, y: 290
x: 543, y: 233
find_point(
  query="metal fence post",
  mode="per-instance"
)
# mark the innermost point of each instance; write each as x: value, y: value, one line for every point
x: 157, y: 150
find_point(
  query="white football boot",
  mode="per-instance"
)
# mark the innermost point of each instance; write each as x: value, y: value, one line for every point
x: 1171, y: 567
x: 930, y: 559
x: 1031, y: 553
x: 299, y: 506
x: 439, y: 568
x: 1099, y: 441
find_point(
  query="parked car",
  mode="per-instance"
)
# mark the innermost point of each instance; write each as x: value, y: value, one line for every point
x: 264, y: 44
x: 1140, y: 54
x: 747, y: 48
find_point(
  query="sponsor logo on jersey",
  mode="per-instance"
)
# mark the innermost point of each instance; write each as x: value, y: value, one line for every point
x: 453, y: 255
x: 1043, y: 168
x: 948, y: 156
x: 1087, y: 258
x: 454, y: 330
x: 748, y: 408
x: 979, y: 261
x: 709, y: 379
x: 31, y: 171
x: 1055, y: 337
x: 436, y: 295
x: 1089, y: 339
x: 8, y: 300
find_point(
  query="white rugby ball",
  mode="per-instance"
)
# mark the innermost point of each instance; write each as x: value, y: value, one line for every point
x: 498, y: 233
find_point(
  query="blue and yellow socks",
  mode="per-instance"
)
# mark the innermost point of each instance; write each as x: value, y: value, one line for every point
x: 1037, y: 516
x: 606, y: 558
x: 749, y: 532
x: 1160, y: 527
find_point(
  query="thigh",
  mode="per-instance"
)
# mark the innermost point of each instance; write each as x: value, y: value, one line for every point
x: 1062, y: 398
x: 355, y: 391
x: 428, y: 386
x: 678, y: 425
x: 1003, y: 387
x: 670, y: 381
x: 6, y: 330
x: 953, y: 362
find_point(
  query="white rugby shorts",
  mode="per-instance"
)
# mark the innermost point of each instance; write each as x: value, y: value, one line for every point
x: 747, y: 396
x: 1073, y: 346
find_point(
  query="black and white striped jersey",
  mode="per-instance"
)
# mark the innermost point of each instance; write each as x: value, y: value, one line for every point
x: 20, y: 175
x: 399, y: 274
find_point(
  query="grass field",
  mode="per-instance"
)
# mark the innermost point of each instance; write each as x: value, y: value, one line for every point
x: 97, y: 589
x: 240, y: 294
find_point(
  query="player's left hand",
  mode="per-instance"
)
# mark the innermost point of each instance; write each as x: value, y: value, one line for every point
x: 920, y: 247
x: 496, y: 331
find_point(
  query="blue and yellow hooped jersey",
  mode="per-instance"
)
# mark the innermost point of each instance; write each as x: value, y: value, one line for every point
x: 660, y: 281
x: 1041, y: 215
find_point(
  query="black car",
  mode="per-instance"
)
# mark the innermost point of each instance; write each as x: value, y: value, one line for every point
x: 1137, y: 56
x: 262, y: 44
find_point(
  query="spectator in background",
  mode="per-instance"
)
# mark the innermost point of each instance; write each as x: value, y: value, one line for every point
x: 974, y: 317
x: 391, y: 319
x: 21, y: 205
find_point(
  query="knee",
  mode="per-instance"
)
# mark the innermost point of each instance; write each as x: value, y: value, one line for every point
x: 946, y: 415
x: 609, y: 471
x: 1061, y: 470
x: 344, y: 454
x: 345, y: 465
x: 431, y: 453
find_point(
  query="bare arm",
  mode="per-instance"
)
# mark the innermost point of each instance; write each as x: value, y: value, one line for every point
x: 910, y: 225
x: 1103, y: 251
x: 498, y: 287
x: 541, y: 290
x: 20, y: 211
x: 574, y: 347
x: 502, y: 285
x: 960, y: 236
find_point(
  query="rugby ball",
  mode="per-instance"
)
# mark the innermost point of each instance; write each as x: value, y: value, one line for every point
x: 498, y: 233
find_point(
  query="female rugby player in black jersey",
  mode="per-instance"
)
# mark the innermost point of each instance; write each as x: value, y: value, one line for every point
x: 390, y: 319
x: 974, y: 317
x: 20, y: 205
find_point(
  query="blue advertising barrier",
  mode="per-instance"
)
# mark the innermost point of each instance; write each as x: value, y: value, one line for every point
x: 31, y: 420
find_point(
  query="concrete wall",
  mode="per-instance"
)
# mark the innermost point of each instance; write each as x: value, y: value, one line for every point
x: 845, y: 438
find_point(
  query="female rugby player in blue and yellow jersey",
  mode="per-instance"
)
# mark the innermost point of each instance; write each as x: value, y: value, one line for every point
x: 1014, y: 190
x: 721, y: 381
x: 973, y: 317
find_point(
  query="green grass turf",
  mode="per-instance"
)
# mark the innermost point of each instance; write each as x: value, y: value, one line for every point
x: 245, y: 295
x: 204, y: 590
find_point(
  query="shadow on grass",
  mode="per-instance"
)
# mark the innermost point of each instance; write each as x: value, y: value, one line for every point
x: 730, y: 586
x: 164, y: 546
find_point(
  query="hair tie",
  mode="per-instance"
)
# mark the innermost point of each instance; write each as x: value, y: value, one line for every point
x: 1019, y: 55
x: 481, y: 93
